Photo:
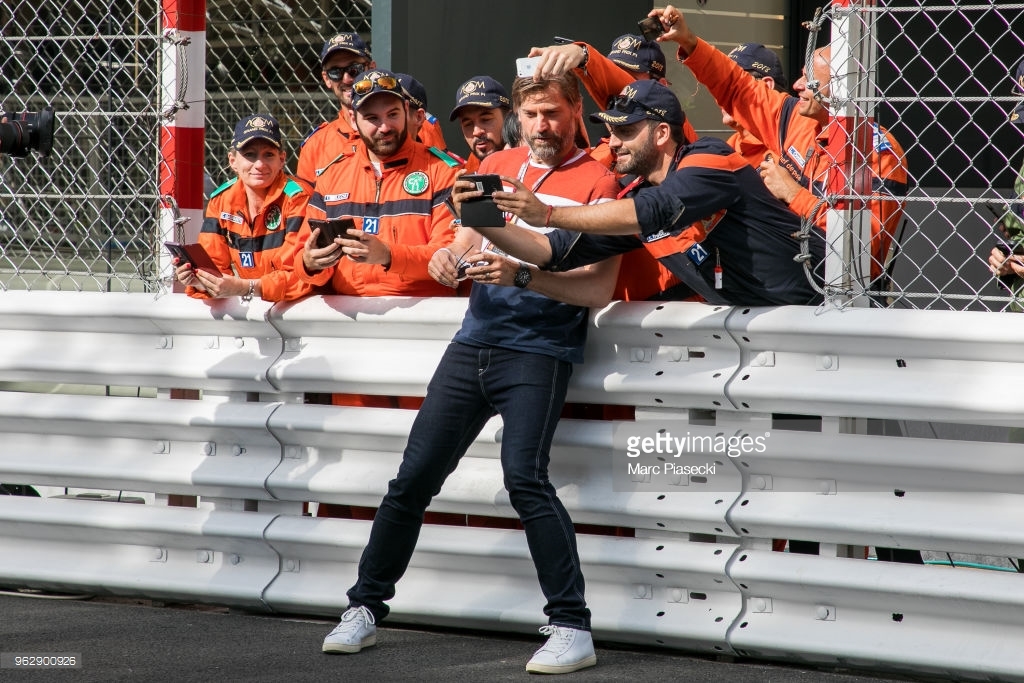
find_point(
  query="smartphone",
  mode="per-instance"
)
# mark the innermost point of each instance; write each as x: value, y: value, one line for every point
x: 526, y: 66
x: 336, y: 227
x: 650, y: 27
x: 193, y: 254
x: 482, y: 212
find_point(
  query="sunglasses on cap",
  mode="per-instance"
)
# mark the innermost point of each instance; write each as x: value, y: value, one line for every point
x: 336, y: 73
x: 626, y: 105
x: 366, y: 85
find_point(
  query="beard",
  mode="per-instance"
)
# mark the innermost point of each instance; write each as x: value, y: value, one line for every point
x: 384, y: 147
x: 641, y: 161
x: 551, y: 148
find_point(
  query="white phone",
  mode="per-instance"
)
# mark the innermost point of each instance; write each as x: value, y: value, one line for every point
x: 525, y: 66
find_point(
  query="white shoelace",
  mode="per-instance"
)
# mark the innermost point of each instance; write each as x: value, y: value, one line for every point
x: 560, y: 638
x: 350, y: 619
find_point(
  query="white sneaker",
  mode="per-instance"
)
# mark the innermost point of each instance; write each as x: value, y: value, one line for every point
x: 567, y: 650
x: 355, y: 631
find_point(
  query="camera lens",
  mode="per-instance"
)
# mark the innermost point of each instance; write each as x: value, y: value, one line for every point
x: 25, y: 132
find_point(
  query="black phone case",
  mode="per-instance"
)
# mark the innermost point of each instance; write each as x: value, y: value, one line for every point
x: 193, y: 254
x: 651, y: 28
x: 331, y: 229
x: 482, y: 212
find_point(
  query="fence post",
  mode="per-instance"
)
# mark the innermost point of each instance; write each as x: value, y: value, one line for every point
x: 183, y: 111
x: 854, y: 53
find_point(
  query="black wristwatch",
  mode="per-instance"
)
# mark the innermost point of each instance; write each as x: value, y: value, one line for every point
x: 523, y: 277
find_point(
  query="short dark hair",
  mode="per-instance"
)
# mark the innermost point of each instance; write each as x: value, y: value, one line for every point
x: 675, y: 132
x: 512, y: 131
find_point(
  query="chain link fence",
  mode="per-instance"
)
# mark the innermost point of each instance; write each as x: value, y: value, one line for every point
x: 87, y: 216
x: 942, y: 83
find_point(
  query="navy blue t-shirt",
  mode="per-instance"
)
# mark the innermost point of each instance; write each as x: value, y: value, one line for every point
x: 521, y: 320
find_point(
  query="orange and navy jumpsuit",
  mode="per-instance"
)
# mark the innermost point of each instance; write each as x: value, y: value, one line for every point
x: 799, y: 144
x: 431, y: 134
x: 261, y: 246
x: 328, y: 144
x: 404, y: 207
x: 641, y: 276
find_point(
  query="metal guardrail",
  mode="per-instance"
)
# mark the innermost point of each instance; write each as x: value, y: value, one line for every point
x: 696, y: 575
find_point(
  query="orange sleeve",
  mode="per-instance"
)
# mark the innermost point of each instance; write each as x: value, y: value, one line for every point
x: 602, y: 77
x: 283, y: 283
x: 308, y: 153
x: 755, y: 107
x: 888, y: 190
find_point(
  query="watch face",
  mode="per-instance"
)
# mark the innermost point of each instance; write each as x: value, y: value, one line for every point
x: 523, y: 277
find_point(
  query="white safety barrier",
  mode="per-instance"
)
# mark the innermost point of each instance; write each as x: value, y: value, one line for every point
x: 696, y: 573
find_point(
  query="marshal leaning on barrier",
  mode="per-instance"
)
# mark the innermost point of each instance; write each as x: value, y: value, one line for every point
x: 252, y: 222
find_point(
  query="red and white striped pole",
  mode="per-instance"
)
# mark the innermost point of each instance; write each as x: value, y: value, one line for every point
x: 183, y: 108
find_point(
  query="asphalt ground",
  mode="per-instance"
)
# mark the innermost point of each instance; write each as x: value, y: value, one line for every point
x: 137, y: 640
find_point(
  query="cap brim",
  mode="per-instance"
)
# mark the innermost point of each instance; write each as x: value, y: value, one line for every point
x: 246, y: 141
x: 485, y: 105
x: 357, y: 53
x: 617, y: 118
x: 369, y: 96
x: 632, y: 68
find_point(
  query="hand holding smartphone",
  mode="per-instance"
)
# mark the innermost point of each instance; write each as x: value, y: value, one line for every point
x: 330, y: 229
x: 651, y: 28
x: 194, y: 255
x: 526, y: 66
x: 482, y: 212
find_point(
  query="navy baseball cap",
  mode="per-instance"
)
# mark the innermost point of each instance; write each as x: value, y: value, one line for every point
x: 642, y: 100
x: 480, y: 91
x: 1017, y: 114
x: 633, y: 53
x: 350, y: 42
x: 758, y: 60
x: 256, y: 127
x: 375, y: 82
x: 414, y: 90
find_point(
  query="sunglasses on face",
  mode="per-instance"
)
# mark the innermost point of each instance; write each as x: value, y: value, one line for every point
x: 626, y: 105
x: 336, y: 73
x: 366, y: 85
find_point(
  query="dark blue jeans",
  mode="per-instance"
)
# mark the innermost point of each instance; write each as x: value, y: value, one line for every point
x: 469, y: 387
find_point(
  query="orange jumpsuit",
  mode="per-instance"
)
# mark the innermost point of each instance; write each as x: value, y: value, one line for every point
x: 748, y: 147
x: 404, y: 208
x: 261, y: 246
x: 328, y: 144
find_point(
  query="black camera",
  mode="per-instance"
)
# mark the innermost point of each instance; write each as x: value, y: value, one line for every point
x: 27, y: 131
